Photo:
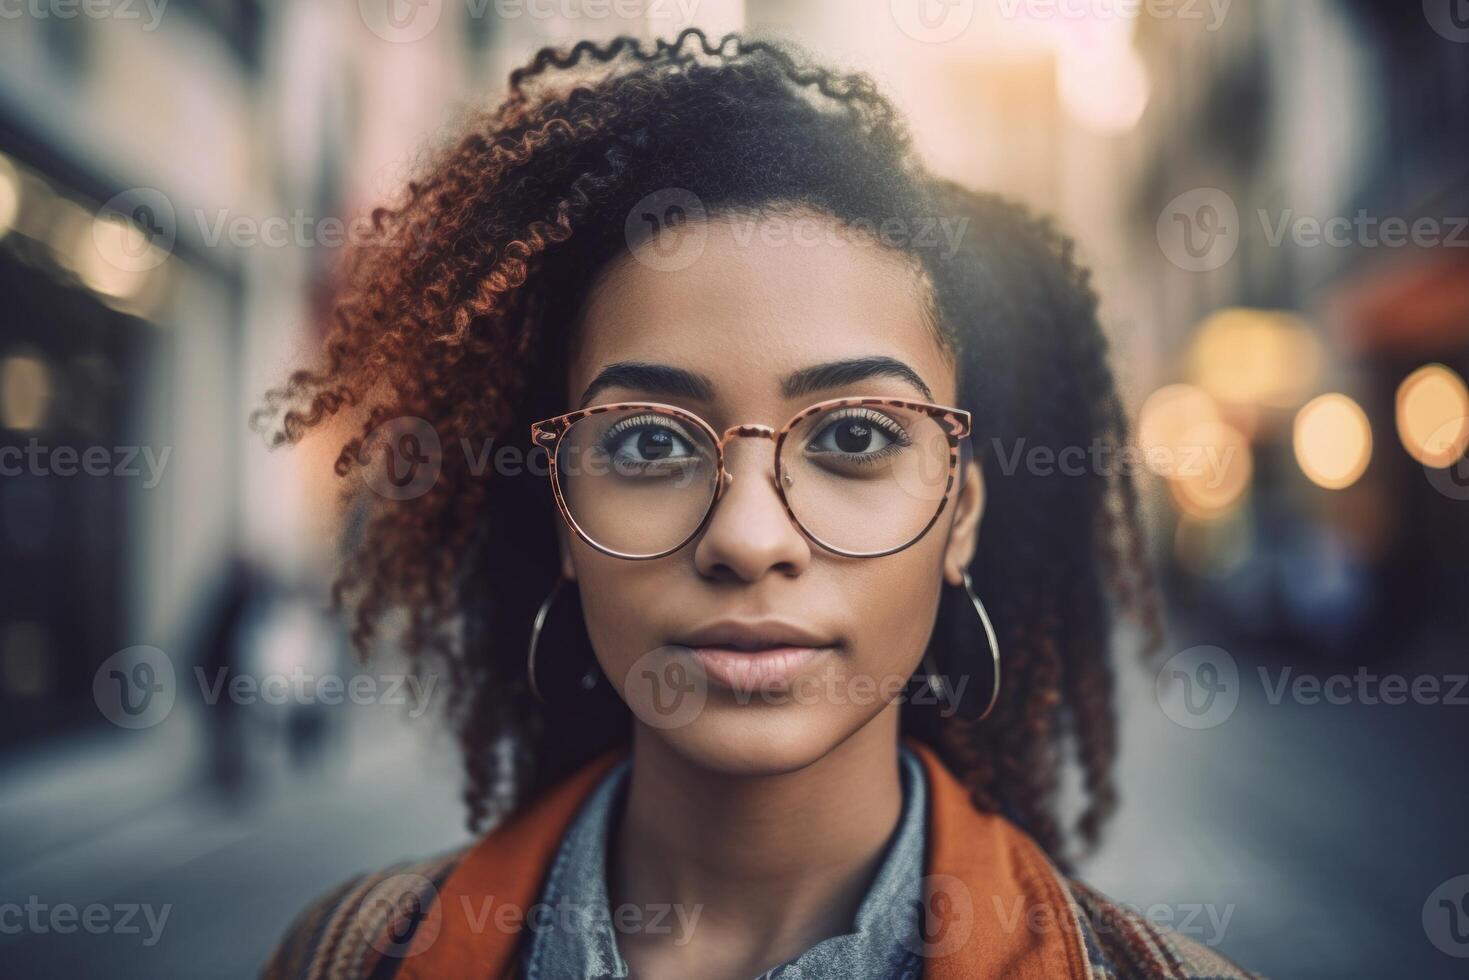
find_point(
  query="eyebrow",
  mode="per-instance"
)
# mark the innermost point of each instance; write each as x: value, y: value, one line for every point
x: 664, y: 379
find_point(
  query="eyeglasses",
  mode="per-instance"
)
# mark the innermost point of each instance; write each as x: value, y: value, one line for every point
x: 861, y: 477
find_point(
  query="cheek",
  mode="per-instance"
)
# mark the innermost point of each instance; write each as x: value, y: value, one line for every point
x: 617, y: 599
x: 895, y: 602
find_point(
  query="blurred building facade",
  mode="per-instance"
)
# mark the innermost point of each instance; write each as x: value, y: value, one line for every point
x: 1313, y: 135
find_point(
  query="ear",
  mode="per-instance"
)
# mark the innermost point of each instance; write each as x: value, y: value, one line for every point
x: 964, y: 530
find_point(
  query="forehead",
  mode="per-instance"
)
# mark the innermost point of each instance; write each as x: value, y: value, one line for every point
x: 761, y: 298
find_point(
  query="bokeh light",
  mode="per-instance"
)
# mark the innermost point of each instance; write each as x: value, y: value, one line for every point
x: 1212, y: 471
x: 1105, y: 91
x: 9, y: 195
x: 1255, y: 357
x: 25, y: 392
x: 1333, y: 441
x: 1166, y: 416
x: 1433, y: 415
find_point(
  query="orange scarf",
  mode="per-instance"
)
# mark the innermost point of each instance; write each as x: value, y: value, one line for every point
x: 994, y: 905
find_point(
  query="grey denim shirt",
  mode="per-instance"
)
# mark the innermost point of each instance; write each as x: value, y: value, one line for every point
x: 574, y: 934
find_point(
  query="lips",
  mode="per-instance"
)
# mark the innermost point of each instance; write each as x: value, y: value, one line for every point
x: 750, y: 656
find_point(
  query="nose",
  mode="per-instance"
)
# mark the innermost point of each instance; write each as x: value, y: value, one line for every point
x: 750, y: 533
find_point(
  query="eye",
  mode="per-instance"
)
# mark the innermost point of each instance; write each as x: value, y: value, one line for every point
x: 859, y: 434
x: 646, y: 440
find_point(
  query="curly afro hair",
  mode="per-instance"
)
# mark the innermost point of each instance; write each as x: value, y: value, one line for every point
x: 467, y: 322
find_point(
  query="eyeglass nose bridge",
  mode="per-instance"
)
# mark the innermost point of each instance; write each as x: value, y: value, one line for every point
x: 750, y: 431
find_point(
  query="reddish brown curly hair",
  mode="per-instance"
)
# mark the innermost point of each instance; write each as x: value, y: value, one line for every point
x: 459, y: 308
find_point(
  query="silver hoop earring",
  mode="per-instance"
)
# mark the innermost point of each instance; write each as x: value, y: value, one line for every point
x: 588, y: 680
x: 935, y: 679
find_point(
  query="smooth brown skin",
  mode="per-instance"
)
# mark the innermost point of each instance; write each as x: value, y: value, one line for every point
x: 767, y: 820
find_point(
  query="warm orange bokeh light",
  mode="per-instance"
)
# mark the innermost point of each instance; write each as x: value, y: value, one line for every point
x: 1433, y: 415
x: 1333, y: 441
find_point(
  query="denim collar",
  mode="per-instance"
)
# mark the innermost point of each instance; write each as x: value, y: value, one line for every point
x: 574, y: 934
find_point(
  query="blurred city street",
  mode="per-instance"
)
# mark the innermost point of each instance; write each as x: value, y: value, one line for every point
x: 1273, y: 199
x: 106, y: 820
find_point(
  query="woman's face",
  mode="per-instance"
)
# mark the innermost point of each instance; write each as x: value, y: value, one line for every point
x: 747, y: 314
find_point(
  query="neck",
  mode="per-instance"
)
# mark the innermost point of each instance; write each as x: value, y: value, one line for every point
x: 775, y: 863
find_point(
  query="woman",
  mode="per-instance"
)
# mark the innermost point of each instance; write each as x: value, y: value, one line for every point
x: 736, y: 381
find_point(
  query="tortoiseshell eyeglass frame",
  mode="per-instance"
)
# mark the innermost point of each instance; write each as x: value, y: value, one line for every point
x: 954, y: 421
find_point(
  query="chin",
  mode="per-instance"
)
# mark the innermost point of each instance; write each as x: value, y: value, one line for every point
x: 755, y: 740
